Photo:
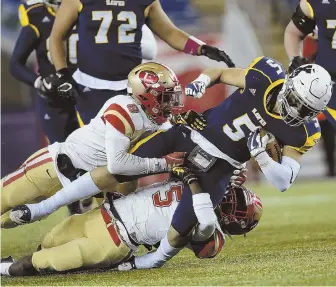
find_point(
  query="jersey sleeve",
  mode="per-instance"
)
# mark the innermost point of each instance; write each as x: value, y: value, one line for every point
x: 30, y: 14
x: 263, y: 74
x: 313, y: 135
x: 124, y: 118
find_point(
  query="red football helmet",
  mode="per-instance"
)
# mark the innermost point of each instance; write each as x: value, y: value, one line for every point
x: 157, y: 89
x: 240, y: 211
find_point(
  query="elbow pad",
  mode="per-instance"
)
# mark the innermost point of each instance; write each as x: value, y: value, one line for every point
x: 305, y: 24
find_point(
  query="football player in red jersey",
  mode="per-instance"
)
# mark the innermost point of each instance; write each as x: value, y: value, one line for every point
x: 107, y: 236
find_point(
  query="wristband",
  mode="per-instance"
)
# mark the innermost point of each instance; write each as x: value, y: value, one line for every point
x: 203, y: 78
x: 192, y: 45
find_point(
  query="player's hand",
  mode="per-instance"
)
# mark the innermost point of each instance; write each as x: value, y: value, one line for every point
x: 43, y: 88
x: 191, y: 118
x: 257, y: 144
x: 296, y: 62
x: 65, y: 84
x: 183, y: 173
x: 174, y: 159
x: 214, y: 53
x: 239, y: 177
x: 195, y: 89
x: 127, y: 265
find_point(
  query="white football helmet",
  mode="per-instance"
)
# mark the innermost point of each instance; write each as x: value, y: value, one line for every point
x: 305, y: 93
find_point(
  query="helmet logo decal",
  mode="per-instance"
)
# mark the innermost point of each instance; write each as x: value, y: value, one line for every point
x: 306, y: 68
x: 148, y: 78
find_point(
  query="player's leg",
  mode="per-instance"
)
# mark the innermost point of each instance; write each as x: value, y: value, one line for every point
x: 90, y: 101
x: 96, y: 243
x: 53, y: 121
x: 35, y: 179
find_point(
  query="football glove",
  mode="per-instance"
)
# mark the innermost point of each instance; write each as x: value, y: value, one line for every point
x: 238, y: 178
x: 191, y: 118
x: 65, y: 84
x: 296, y: 62
x: 195, y: 89
x: 127, y: 265
x: 257, y: 144
x: 174, y: 159
x: 214, y: 53
x: 183, y: 173
x: 43, y: 87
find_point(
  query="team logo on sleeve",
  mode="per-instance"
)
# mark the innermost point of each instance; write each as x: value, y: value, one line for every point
x: 133, y: 108
x: 148, y: 78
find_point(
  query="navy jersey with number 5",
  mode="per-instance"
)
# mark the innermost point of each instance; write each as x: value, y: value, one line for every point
x: 230, y: 123
x: 324, y: 13
x: 110, y: 37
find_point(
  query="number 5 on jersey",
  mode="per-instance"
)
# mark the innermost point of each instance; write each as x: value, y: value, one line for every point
x: 124, y: 30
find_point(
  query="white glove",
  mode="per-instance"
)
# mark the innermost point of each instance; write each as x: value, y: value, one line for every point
x: 239, y: 177
x: 195, y: 89
x: 257, y: 144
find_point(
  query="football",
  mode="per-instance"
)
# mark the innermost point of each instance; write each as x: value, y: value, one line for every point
x: 272, y: 148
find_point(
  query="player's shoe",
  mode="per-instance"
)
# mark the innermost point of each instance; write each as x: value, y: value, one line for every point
x: 5, y: 263
x: 20, y: 215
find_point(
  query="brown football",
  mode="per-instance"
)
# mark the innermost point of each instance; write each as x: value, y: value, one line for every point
x: 272, y: 148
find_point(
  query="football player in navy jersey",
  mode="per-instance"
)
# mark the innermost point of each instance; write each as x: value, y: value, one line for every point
x: 57, y: 117
x: 265, y: 98
x: 308, y: 15
x: 110, y: 35
x: 286, y: 107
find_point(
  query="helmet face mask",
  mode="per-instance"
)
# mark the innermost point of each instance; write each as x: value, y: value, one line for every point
x: 157, y: 90
x: 305, y: 93
x: 293, y: 110
x: 52, y: 3
x: 240, y: 211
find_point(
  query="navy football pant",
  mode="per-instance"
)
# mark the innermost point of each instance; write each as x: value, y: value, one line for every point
x: 90, y: 101
x: 56, y: 124
x: 214, y: 181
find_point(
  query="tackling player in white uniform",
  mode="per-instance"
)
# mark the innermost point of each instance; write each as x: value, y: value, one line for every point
x: 105, y: 141
x: 107, y: 236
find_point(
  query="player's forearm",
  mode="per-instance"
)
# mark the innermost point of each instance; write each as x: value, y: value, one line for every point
x: 57, y: 51
x: 157, y: 258
x: 24, y: 46
x: 281, y: 175
x: 292, y: 41
x: 229, y: 76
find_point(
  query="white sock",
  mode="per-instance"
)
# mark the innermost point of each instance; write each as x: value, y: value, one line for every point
x: 4, y: 268
x: 81, y: 188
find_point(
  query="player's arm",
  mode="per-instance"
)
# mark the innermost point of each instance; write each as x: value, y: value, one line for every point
x: 24, y: 46
x: 211, y: 76
x: 195, y: 206
x: 302, y: 24
x: 120, y: 127
x: 66, y: 16
x: 162, y: 26
x: 281, y: 175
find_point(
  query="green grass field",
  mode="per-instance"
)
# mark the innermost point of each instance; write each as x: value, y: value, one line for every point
x: 295, y: 244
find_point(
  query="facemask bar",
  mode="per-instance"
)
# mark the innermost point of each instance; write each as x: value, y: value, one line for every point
x: 293, y: 110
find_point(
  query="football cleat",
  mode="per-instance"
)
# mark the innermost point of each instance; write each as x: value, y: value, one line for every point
x: 20, y: 215
x: 8, y: 259
x: 5, y: 263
